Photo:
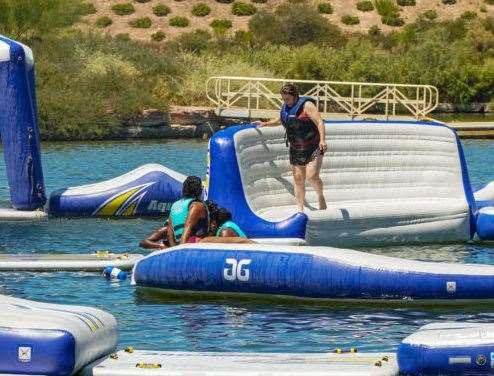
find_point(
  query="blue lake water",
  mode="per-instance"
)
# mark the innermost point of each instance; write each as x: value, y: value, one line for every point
x: 148, y: 321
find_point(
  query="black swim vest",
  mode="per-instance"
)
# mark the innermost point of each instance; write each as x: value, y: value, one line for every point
x: 301, y: 131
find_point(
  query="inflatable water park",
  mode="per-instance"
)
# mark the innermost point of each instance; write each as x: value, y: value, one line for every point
x: 386, y: 183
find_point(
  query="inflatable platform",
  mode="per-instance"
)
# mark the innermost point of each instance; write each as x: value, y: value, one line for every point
x: 448, y: 349
x: 311, y: 273
x: 144, y: 363
x: 50, y: 339
x: 67, y: 262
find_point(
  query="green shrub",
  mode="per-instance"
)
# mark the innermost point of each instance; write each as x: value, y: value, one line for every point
x: 243, y: 37
x: 295, y: 25
x: 490, y: 2
x: 385, y: 7
x: 221, y: 24
x: 406, y: 3
x: 201, y: 10
x: 325, y: 8
x: 393, y: 20
x: 240, y: 8
x: 158, y: 36
x: 123, y: 9
x: 179, y: 21
x: 31, y: 19
x: 125, y: 37
x: 430, y: 14
x: 141, y: 23
x: 161, y: 10
x: 143, y: 1
x: 350, y: 20
x: 374, y: 31
x: 468, y: 15
x: 194, y: 41
x: 483, y: 8
x: 87, y: 8
x: 103, y: 22
x: 365, y: 6
x: 449, y: 2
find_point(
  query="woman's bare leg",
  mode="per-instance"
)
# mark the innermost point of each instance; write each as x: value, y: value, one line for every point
x: 313, y: 170
x: 299, y: 185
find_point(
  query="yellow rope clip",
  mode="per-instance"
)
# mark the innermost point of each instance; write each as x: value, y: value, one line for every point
x: 102, y: 253
x: 378, y: 363
x: 338, y: 351
x: 148, y: 365
x: 114, y: 356
x: 385, y: 359
x: 353, y: 350
x: 129, y: 349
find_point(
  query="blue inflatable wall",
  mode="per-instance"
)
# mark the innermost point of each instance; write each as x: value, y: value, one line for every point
x: 19, y: 126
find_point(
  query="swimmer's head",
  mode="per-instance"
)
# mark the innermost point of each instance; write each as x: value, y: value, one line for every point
x: 289, y: 94
x: 192, y: 187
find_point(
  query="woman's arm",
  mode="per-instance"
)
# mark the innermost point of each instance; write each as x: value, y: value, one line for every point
x: 270, y: 123
x: 311, y: 110
x: 153, y: 240
x: 169, y: 233
x: 197, y: 211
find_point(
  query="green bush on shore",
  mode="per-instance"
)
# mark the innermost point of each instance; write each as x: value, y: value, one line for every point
x: 178, y: 21
x: 103, y: 21
x: 348, y: 19
x: 325, y: 8
x: 365, y: 6
x: 123, y: 9
x: 141, y: 23
x: 240, y: 8
x: 201, y: 10
x: 161, y: 10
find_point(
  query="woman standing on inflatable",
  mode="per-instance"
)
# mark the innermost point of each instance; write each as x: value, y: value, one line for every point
x: 305, y: 135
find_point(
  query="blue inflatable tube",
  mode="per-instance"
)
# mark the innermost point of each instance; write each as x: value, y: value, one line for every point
x: 19, y: 126
x: 311, y: 272
x: 448, y: 349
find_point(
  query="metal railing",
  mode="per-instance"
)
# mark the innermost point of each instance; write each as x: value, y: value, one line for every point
x: 251, y: 96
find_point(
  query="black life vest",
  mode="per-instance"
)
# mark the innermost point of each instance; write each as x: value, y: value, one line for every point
x: 301, y: 131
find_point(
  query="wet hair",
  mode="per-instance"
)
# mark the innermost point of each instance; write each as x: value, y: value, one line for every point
x: 192, y: 187
x: 289, y: 89
x: 222, y: 215
x: 212, y: 207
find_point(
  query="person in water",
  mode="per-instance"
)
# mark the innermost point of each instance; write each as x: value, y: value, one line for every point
x: 224, y: 230
x: 306, y: 138
x: 189, y: 218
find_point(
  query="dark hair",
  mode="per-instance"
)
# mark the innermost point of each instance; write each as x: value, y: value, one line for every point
x: 192, y: 187
x: 222, y: 215
x: 212, y: 207
x: 289, y: 89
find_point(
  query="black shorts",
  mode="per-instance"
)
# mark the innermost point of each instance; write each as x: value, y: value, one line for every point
x: 303, y: 157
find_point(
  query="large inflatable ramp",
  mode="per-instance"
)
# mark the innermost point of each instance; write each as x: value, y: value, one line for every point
x: 49, y: 339
x: 390, y: 182
x: 149, y: 190
x: 19, y: 130
x: 311, y: 272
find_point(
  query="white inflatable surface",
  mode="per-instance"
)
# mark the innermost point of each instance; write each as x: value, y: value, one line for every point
x: 62, y: 262
x: 37, y: 337
x: 151, y: 363
x: 12, y: 215
x: 383, y: 183
x: 280, y: 241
